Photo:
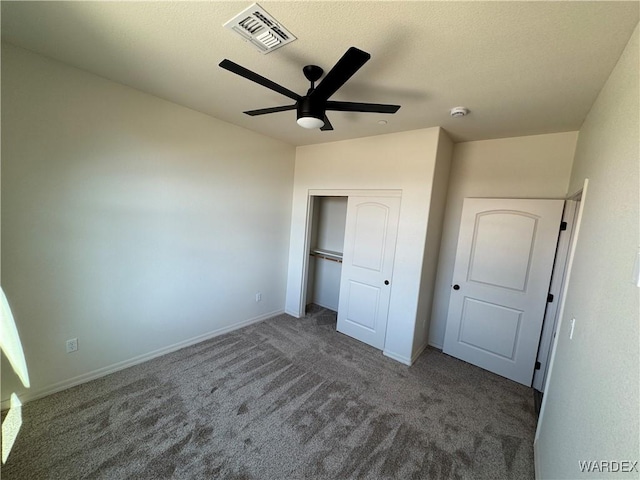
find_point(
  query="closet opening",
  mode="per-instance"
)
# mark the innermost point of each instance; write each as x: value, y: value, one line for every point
x: 325, y: 249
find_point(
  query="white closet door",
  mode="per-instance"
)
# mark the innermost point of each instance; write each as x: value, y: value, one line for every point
x: 366, y: 281
x: 501, y: 279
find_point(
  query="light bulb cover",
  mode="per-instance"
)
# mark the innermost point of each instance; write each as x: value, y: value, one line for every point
x: 310, y: 113
x: 310, y: 122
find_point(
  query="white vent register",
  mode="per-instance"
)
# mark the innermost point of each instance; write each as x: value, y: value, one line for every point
x: 260, y: 29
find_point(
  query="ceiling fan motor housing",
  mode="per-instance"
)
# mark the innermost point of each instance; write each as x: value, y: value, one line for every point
x: 306, y: 107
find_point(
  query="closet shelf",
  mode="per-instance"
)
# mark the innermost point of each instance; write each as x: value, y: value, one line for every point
x: 327, y: 254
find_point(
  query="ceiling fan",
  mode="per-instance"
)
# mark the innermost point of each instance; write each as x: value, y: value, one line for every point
x: 312, y: 107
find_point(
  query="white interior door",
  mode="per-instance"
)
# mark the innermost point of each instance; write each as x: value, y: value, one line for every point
x: 501, y: 279
x: 367, y: 267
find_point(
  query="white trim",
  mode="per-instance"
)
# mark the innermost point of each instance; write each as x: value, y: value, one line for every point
x: 333, y: 308
x: 435, y: 345
x: 397, y: 358
x: 302, y: 301
x: 581, y: 195
x: 323, y: 192
x: 557, y: 283
x: 29, y: 395
x: 418, y: 352
x: 292, y: 313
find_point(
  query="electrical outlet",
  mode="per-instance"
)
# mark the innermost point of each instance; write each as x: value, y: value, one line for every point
x: 258, y: 297
x: 72, y: 345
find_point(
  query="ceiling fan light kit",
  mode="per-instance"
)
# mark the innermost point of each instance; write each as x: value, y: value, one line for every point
x: 310, y: 122
x: 310, y: 115
x: 311, y: 108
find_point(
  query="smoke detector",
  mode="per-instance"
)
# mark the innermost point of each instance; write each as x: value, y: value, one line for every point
x: 459, y: 112
x: 260, y: 29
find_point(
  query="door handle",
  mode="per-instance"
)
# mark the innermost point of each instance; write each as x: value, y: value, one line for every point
x: 386, y: 282
x: 456, y: 287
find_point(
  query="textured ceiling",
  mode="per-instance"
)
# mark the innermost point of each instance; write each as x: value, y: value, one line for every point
x: 521, y: 67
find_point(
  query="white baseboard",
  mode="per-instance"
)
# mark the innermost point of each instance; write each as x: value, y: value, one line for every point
x: 333, y: 308
x: 294, y: 314
x: 402, y: 358
x: 29, y: 395
x: 397, y: 358
x: 418, y: 352
x: 435, y: 345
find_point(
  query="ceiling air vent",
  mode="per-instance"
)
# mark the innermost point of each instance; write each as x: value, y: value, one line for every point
x: 260, y: 29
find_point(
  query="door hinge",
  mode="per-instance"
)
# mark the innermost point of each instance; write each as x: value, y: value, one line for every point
x: 538, y: 366
x: 563, y: 226
x: 549, y: 297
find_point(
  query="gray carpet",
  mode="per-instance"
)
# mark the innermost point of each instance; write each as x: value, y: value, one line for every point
x: 282, y: 399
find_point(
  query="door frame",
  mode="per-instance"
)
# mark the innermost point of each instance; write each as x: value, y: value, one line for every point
x: 580, y: 196
x: 315, y: 192
x: 550, y: 322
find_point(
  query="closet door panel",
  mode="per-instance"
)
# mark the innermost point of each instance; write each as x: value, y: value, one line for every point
x: 365, y: 285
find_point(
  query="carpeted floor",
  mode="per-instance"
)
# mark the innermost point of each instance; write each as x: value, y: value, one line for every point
x: 282, y: 399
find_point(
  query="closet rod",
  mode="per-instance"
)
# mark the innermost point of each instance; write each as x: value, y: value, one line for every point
x: 326, y: 257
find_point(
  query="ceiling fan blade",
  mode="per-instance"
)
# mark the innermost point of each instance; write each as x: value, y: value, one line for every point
x: 327, y: 124
x: 263, y: 111
x: 254, y: 77
x: 342, y: 71
x: 361, y: 107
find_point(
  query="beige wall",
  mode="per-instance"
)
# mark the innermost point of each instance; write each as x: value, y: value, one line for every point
x: 591, y: 404
x: 536, y: 166
x: 436, y: 213
x: 403, y: 161
x: 129, y: 222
